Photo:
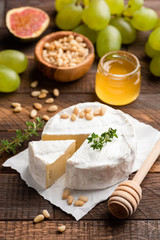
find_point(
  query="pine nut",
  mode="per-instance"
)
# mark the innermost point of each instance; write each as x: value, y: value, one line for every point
x: 42, y: 95
x: 78, y: 203
x: 46, y: 213
x: 70, y: 199
x: 73, y: 117
x: 81, y: 114
x: 33, y: 113
x: 76, y: 110
x: 83, y: 199
x: 89, y: 116
x: 52, y: 108
x: 88, y: 110
x: 38, y: 218
x: 37, y: 106
x: 97, y: 112
x: 64, y: 115
x: 66, y: 193
x: 45, y: 117
x: 103, y: 110
x: 61, y: 228
x: 49, y: 100
x: 56, y: 92
x: 17, y: 109
x: 34, y: 84
x: 44, y: 91
x: 15, y: 104
x: 35, y: 93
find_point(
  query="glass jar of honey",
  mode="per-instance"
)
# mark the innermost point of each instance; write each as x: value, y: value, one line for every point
x: 118, y: 78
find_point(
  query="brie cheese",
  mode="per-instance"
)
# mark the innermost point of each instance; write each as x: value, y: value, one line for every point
x: 47, y: 160
x: 93, y: 169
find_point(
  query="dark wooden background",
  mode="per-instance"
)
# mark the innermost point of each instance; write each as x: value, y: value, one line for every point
x: 19, y: 204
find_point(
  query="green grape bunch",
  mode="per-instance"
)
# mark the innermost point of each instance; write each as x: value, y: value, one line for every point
x: 110, y: 23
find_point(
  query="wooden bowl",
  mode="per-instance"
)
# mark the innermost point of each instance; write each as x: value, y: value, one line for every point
x: 63, y: 74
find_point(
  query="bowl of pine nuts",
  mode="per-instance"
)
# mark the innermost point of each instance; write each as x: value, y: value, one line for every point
x: 64, y: 56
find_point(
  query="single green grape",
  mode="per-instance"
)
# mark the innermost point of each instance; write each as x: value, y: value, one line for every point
x: 154, y: 39
x: 9, y: 79
x: 108, y: 39
x: 96, y: 15
x: 116, y: 6
x: 132, y: 6
x: 144, y: 19
x: 87, y: 32
x: 69, y: 17
x: 59, y: 4
x: 155, y: 65
x: 150, y: 52
x: 128, y: 33
x: 14, y: 59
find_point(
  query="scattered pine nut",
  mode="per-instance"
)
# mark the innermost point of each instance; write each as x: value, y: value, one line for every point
x: 17, y: 109
x: 103, y: 110
x: 49, y: 100
x: 44, y: 91
x: 78, y: 203
x: 34, y: 84
x: 15, y: 104
x: 35, y: 93
x: 38, y: 218
x: 64, y: 115
x: 46, y: 213
x: 83, y: 199
x: 66, y: 193
x: 70, y: 199
x: 33, y: 113
x: 73, y: 117
x: 61, y: 228
x: 97, y: 112
x: 89, y: 116
x: 56, y: 92
x: 52, y: 108
x: 88, y: 110
x: 81, y: 114
x: 76, y: 111
x: 37, y: 106
x: 42, y: 95
x: 45, y: 117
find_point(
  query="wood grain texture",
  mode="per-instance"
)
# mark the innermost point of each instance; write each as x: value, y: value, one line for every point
x: 82, y: 230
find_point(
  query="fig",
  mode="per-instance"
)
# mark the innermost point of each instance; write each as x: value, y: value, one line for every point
x: 27, y: 22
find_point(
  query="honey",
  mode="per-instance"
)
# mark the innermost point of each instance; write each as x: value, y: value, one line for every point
x: 118, y: 78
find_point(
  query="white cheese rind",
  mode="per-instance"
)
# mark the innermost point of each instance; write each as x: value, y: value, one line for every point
x: 89, y: 169
x: 42, y: 154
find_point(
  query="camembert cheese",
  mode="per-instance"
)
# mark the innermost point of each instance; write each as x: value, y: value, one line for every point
x: 47, y: 160
x: 94, y: 169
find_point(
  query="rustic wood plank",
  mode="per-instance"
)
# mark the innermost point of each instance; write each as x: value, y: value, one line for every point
x: 82, y: 230
x: 17, y: 201
x: 145, y: 108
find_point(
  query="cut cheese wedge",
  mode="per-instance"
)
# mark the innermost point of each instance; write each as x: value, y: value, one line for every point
x: 47, y: 160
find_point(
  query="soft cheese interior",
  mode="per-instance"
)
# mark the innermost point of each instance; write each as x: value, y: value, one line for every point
x: 93, y: 169
x: 47, y: 160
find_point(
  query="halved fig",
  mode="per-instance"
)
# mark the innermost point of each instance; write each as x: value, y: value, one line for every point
x: 27, y: 22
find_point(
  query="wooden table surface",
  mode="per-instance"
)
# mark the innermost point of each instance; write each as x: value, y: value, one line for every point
x: 19, y: 204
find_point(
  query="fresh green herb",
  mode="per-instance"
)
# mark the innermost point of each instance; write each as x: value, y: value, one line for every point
x: 98, y: 141
x: 21, y: 136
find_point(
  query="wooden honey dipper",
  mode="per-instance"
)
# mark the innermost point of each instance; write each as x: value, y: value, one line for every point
x: 124, y: 200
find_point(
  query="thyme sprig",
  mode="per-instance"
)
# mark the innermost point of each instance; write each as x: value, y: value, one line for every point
x: 10, y: 146
x: 98, y: 141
